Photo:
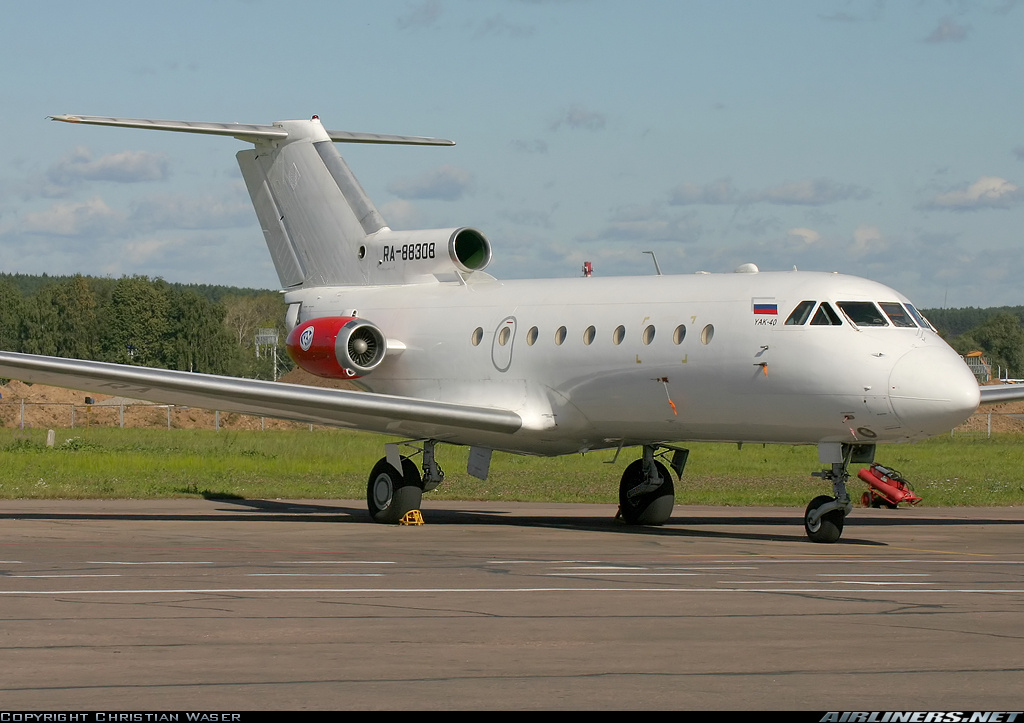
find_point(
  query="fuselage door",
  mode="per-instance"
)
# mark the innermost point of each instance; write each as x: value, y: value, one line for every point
x: 501, y: 346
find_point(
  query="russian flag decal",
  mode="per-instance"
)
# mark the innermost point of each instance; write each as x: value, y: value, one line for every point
x: 764, y: 306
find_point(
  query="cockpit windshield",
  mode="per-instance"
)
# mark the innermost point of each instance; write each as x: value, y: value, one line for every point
x: 860, y: 313
x: 897, y: 314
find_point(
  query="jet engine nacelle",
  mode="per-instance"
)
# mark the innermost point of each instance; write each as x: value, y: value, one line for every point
x: 339, y: 347
x: 432, y: 251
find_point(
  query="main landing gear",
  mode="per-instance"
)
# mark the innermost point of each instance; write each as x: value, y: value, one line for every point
x: 825, y: 516
x: 396, y: 487
x: 646, y: 492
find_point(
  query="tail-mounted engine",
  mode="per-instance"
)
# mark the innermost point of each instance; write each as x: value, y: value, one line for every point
x: 404, y: 255
x: 339, y: 347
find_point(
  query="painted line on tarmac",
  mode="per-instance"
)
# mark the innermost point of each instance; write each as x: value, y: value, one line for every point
x: 461, y: 591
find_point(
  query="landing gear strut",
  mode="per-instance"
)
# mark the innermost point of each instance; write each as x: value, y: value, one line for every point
x: 825, y: 516
x: 646, y: 492
x: 391, y: 494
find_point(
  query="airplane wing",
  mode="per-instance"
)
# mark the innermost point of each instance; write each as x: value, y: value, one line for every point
x: 402, y: 416
x: 1002, y: 393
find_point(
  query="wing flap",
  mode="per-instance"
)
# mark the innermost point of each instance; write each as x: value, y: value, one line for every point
x: 362, y: 410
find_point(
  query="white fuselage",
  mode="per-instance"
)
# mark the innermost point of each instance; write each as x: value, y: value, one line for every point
x: 594, y: 363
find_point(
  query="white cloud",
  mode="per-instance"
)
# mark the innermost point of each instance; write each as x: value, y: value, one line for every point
x: 715, y: 193
x: 176, y: 211
x: 808, y: 192
x: 74, y: 219
x: 806, y: 235
x: 986, y: 192
x: 867, y: 238
x: 948, y: 31
x: 123, y: 167
x: 421, y: 15
x: 498, y: 25
x: 446, y: 183
x: 580, y: 117
x: 534, y: 146
x: 401, y: 215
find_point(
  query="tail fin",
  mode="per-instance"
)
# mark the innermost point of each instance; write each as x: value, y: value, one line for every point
x: 319, y: 224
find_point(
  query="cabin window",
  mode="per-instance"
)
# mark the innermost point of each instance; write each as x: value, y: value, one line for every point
x: 503, y: 335
x: 679, y: 334
x: 531, y: 336
x: 826, y: 316
x: 707, y: 334
x: 478, y: 335
x: 618, y: 335
x: 862, y: 313
x: 648, y: 335
x: 800, y: 314
x: 588, y: 335
x: 897, y: 314
x: 560, y: 335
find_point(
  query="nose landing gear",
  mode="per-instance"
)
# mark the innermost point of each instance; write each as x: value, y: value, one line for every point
x: 825, y: 516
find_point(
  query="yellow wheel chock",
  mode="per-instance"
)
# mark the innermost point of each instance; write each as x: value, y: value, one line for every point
x: 412, y: 517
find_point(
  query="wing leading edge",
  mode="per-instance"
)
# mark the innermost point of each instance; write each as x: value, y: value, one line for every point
x: 1001, y: 393
x: 362, y: 410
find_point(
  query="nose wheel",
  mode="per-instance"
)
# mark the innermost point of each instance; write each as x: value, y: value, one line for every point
x: 825, y: 516
x: 822, y: 526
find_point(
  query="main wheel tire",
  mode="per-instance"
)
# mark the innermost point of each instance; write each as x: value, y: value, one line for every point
x: 648, y: 508
x: 828, y: 527
x: 389, y: 495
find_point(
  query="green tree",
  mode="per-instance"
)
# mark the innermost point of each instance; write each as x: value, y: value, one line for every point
x: 10, y: 317
x: 40, y: 321
x: 198, y: 340
x: 1002, y: 339
x: 76, y: 335
x: 136, y: 323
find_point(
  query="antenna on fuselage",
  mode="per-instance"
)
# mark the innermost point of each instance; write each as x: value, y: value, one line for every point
x: 657, y: 268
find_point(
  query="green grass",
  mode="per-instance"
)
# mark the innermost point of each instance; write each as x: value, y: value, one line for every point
x: 333, y: 464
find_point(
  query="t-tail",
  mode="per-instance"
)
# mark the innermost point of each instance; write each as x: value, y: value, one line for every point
x: 320, y: 226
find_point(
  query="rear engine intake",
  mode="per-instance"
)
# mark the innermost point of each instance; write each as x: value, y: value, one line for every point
x: 337, y: 347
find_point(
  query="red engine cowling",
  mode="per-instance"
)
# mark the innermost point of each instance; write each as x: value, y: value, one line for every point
x: 339, y: 347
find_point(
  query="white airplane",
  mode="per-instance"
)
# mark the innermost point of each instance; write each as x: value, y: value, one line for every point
x: 446, y: 353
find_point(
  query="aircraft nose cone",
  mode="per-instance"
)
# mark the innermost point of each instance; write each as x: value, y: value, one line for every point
x: 932, y: 390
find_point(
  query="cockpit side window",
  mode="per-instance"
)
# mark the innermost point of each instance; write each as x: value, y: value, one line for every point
x: 800, y: 314
x: 826, y: 316
x: 897, y: 314
x: 919, y: 317
x: 863, y: 313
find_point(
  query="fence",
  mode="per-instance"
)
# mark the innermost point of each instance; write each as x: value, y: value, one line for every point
x: 60, y: 415
x: 55, y: 415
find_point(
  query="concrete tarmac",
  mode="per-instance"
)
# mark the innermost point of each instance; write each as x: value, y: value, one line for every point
x: 304, y: 605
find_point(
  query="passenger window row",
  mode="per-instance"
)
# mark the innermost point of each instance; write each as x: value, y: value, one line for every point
x: 589, y: 336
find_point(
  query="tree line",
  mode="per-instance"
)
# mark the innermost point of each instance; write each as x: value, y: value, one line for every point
x: 211, y: 329
x: 141, y: 321
x: 997, y: 332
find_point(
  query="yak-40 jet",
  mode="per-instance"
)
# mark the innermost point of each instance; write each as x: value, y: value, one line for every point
x: 446, y: 353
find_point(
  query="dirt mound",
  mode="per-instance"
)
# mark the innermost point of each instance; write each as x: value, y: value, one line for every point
x: 56, y: 408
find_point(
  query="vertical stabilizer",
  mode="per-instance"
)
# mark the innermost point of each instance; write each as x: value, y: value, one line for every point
x: 314, y: 216
x: 320, y: 226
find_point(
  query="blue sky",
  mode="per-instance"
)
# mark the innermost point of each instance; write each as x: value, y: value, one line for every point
x: 882, y: 139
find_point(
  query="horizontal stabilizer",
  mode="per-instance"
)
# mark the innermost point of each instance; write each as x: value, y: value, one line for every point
x: 246, y: 132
